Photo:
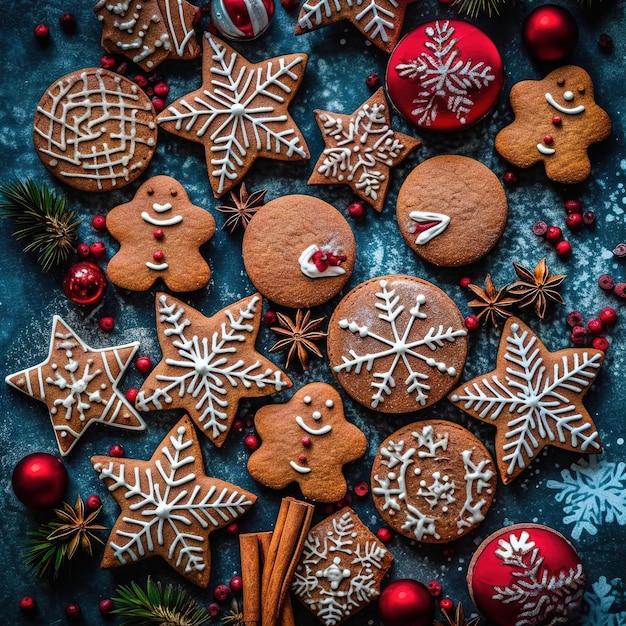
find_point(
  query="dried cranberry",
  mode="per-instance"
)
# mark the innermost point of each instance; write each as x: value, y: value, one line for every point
x: 540, y: 228
x: 573, y: 206
x: 589, y: 218
x: 620, y: 250
x: 221, y: 593
x: 575, y: 318
x: 620, y: 290
x: 606, y: 282
x: 510, y: 178
x: 579, y: 336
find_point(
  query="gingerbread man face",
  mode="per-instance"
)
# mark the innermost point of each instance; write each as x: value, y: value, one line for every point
x: 307, y: 440
x: 160, y: 233
x: 556, y: 119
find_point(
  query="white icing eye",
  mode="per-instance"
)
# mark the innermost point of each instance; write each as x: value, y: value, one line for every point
x: 568, y: 95
x: 330, y: 404
x: 307, y: 400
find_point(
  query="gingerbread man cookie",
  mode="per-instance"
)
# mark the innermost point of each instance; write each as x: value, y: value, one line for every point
x: 307, y: 440
x: 160, y: 233
x: 556, y: 120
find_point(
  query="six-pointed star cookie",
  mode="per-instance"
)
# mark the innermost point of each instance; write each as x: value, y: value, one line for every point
x: 361, y: 149
x: 169, y: 505
x: 78, y: 384
x: 240, y: 112
x: 379, y: 20
x: 534, y: 398
x: 209, y: 363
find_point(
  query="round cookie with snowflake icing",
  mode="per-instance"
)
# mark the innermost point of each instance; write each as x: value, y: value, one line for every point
x: 433, y: 481
x: 397, y: 343
x: 95, y: 130
x: 526, y: 575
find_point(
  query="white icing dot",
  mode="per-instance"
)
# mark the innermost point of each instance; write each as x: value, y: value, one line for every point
x: 421, y: 299
x: 444, y: 509
x: 316, y: 415
x: 53, y: 162
x: 181, y: 430
x: 431, y: 362
x: 391, y: 476
x: 442, y: 367
x: 451, y: 371
x: 63, y: 434
x: 568, y: 95
x: 330, y: 404
x: 307, y: 400
x: 454, y: 397
x: 514, y: 328
x: 417, y: 471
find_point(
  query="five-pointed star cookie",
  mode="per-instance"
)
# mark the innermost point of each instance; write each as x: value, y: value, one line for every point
x: 379, y: 20
x: 240, y: 112
x: 361, y: 149
x: 169, y: 505
x: 209, y: 364
x: 78, y: 384
x: 534, y: 398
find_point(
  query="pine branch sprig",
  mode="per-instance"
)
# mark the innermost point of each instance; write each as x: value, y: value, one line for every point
x: 474, y: 8
x: 42, y: 218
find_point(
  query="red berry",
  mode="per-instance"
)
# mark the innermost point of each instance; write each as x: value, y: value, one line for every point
x: 446, y: 1
x: 161, y: 89
x: 563, y: 248
x: 540, y: 228
x: 238, y: 426
x: 99, y: 222
x: 434, y: 586
x: 251, y: 442
x: 589, y: 218
x: 579, y: 336
x: 290, y: 4
x: 108, y: 62
x: 574, y: 221
x: 446, y: 604
x: 608, y: 316
x: 158, y: 255
x: 97, y: 250
x: 144, y: 364
x: 158, y: 104
x: 236, y: 584
x: 72, y: 610
x: 575, y: 318
x: 620, y: 250
x: 68, y: 22
x: 554, y: 234
x: 93, y: 502
x: 372, y: 81
x: 122, y: 68
x: 158, y: 233
x: 606, y: 282
x: 605, y: 42
x: 116, y: 450
x: 573, y: 206
x: 42, y: 32
x: 620, y: 290
x: 361, y: 489
x: 105, y: 606
x: 131, y: 394
x: 28, y: 603
x: 269, y: 318
x: 232, y: 528
x: 213, y: 609
x: 465, y: 282
x: 221, y: 593
x: 356, y: 209
x: 510, y: 178
x: 384, y: 534
x: 600, y: 343
x: 472, y: 323
x: 83, y: 250
x: 595, y: 326
x: 107, y: 324
x: 141, y: 80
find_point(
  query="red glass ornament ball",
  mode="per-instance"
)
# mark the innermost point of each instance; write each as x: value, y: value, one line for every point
x: 406, y: 602
x: 39, y: 480
x: 550, y: 33
x: 84, y: 283
x: 241, y: 19
x: 504, y: 559
x: 432, y: 98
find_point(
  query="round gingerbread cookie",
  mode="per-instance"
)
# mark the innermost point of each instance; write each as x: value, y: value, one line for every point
x: 433, y: 481
x: 397, y: 343
x: 95, y: 130
x: 526, y: 575
x: 298, y: 251
x: 451, y: 210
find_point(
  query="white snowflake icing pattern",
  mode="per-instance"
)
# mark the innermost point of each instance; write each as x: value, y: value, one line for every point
x: 206, y: 371
x: 399, y: 346
x: 536, y: 400
x: 350, y: 159
x: 242, y: 102
x: 594, y: 492
x: 444, y: 76
x: 606, y: 603
x: 543, y: 597
x: 329, y: 561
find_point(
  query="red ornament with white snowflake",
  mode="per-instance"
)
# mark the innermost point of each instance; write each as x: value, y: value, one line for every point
x: 241, y: 19
x: 526, y: 574
x: 445, y: 75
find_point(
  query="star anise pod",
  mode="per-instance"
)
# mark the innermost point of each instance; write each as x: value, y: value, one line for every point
x: 299, y: 336
x: 246, y: 205
x: 536, y: 288
x: 458, y: 619
x: 493, y: 304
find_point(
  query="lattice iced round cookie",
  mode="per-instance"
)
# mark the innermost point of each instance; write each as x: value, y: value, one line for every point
x: 298, y: 251
x: 397, y: 343
x: 451, y: 210
x: 433, y: 481
x: 95, y: 130
x: 526, y: 575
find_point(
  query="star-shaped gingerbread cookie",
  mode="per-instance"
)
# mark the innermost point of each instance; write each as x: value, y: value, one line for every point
x: 169, y: 505
x: 209, y: 364
x: 78, y: 384
x: 534, y: 399
x: 379, y: 20
x: 361, y: 149
x: 240, y: 112
x: 307, y: 440
x: 160, y: 232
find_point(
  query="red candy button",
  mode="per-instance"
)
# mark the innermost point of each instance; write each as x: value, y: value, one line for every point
x: 445, y: 75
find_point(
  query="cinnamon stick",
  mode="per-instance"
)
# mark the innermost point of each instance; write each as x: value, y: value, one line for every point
x: 286, y: 617
x: 251, y: 569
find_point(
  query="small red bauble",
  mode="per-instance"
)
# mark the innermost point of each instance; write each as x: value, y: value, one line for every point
x: 550, y: 33
x: 384, y: 534
x: 554, y: 234
x: 116, y: 450
x: 82, y: 250
x: 526, y: 556
x: 241, y: 19
x: 251, y: 442
x: 356, y: 209
x: 131, y: 394
x: 72, y: 610
x: 605, y: 42
x: 589, y: 218
x: 84, y: 283
x: 236, y: 584
x: 406, y: 602
x: 106, y: 324
x: 105, y: 606
x: 595, y: 326
x: 221, y: 593
x: 99, y: 222
x: 563, y: 248
x: 42, y: 32
x: 93, y: 502
x: 39, y: 480
x: 68, y: 22
x: 362, y: 489
x: 608, y: 316
x: 144, y: 364
x: 28, y: 604
x: 472, y: 323
x: 540, y: 228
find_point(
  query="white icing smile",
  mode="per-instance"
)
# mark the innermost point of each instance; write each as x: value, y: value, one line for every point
x: 429, y: 224
x: 313, y: 431
x: 568, y: 95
